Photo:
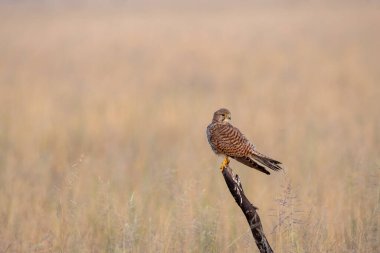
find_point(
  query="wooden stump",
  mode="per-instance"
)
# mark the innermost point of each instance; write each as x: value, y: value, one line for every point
x: 249, y: 210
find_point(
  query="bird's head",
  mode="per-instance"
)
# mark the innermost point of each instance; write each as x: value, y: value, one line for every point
x: 222, y: 115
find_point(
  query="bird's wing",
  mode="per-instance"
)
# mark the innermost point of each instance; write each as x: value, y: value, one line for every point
x: 228, y: 140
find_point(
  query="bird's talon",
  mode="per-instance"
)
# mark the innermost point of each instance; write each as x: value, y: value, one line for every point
x: 225, y: 163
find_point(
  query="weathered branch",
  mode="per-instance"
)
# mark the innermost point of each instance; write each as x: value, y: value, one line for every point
x: 249, y: 210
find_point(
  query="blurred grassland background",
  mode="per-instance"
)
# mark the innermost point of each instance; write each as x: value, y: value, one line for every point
x: 103, y: 111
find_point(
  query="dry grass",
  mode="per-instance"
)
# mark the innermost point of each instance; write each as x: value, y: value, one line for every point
x: 103, y: 116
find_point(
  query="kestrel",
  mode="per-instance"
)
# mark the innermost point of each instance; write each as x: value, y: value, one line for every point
x: 227, y: 140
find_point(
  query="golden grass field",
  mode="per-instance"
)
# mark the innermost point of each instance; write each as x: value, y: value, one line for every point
x: 102, y: 128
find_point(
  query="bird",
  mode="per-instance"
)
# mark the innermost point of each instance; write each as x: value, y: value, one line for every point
x: 227, y: 140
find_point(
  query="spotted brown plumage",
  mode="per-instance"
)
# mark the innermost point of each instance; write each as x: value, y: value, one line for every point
x: 227, y: 140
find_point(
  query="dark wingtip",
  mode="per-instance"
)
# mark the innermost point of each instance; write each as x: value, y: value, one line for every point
x: 268, y: 162
x: 251, y: 163
x: 272, y: 160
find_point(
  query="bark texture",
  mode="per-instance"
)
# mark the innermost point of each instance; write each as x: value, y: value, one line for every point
x: 249, y: 210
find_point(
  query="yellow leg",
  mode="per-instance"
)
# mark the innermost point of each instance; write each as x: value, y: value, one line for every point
x: 225, y: 163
